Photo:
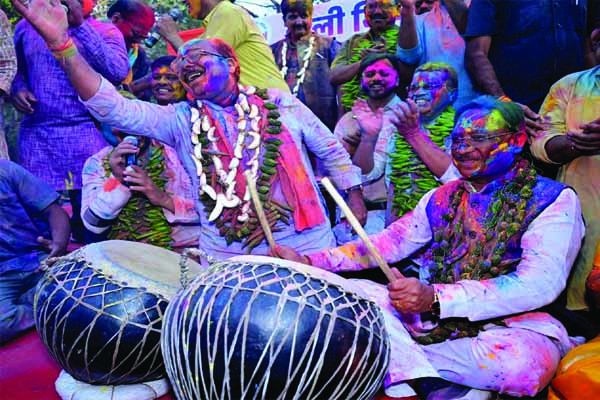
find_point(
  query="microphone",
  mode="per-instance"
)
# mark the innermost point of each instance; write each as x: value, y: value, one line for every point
x: 130, y: 158
x: 154, y: 36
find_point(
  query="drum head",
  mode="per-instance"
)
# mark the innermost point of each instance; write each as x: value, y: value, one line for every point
x: 140, y: 265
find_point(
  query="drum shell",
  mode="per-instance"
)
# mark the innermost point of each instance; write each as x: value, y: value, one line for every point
x: 100, y: 330
x: 264, y: 331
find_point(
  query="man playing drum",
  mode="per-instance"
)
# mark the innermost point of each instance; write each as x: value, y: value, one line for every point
x: 227, y: 129
x: 494, y: 247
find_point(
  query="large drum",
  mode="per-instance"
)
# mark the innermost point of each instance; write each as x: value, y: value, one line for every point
x: 99, y: 311
x: 262, y: 328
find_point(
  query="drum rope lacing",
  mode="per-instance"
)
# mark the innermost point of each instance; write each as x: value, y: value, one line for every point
x: 184, y: 269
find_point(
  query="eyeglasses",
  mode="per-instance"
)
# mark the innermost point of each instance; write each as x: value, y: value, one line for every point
x: 475, y: 139
x: 424, y: 86
x: 193, y: 56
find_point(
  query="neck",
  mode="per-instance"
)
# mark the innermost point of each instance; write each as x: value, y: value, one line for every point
x: 375, y: 104
x: 228, y: 97
x: 480, y: 182
x: 430, y: 119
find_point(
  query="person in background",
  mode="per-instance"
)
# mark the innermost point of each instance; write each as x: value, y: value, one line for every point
x: 495, y: 246
x: 34, y: 227
x: 57, y: 133
x: 8, y: 69
x: 223, y: 20
x: 150, y: 201
x: 435, y: 36
x: 570, y: 115
x: 382, y: 37
x: 134, y: 19
x: 304, y: 58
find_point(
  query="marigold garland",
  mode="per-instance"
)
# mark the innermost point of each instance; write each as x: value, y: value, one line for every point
x: 504, y: 218
x: 140, y: 220
x: 352, y: 89
x: 410, y: 177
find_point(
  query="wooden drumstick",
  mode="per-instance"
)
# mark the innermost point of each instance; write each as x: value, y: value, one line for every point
x: 359, y: 229
x: 260, y: 213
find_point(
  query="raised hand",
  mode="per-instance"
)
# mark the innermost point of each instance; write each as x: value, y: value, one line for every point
x: 368, y: 121
x: 48, y: 17
x: 406, y: 118
x: 139, y: 181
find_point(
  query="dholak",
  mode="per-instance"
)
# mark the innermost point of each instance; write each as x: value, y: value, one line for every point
x: 99, y: 311
x: 262, y: 328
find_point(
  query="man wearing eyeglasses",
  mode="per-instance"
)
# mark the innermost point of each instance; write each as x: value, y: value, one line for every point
x: 227, y: 131
x: 494, y: 247
x: 407, y: 141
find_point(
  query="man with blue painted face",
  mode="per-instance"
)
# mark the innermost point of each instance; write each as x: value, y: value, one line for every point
x: 494, y: 247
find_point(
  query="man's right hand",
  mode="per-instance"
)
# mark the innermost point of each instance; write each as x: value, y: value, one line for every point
x: 24, y: 101
x: 48, y: 17
x: 533, y: 122
x: 117, y: 159
x: 369, y: 121
x: 378, y: 48
x: 288, y: 253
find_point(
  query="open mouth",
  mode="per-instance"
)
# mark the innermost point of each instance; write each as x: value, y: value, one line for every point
x: 164, y: 90
x: 191, y: 76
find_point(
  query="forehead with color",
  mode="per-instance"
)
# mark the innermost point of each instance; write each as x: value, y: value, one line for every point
x: 439, y: 75
x: 198, y: 44
x: 480, y: 120
x: 384, y: 64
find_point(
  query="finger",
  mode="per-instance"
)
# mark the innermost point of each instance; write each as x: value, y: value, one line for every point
x: 534, y: 124
x: 412, y: 106
x: 21, y: 6
x: 591, y: 127
x: 44, y: 242
x: 583, y: 138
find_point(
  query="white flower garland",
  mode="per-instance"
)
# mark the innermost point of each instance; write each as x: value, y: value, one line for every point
x: 305, y: 58
x: 248, y: 124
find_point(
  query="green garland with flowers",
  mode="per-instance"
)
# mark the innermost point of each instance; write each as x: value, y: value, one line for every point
x: 505, y: 217
x: 410, y: 177
x: 351, y: 90
x: 140, y: 220
x: 249, y: 232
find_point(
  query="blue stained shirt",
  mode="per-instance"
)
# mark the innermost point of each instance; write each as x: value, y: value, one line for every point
x: 23, y: 197
x: 534, y: 42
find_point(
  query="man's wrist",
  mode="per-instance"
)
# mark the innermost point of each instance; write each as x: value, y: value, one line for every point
x: 356, y: 188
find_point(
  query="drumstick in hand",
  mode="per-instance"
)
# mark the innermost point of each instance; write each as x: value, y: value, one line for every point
x: 262, y: 218
x: 359, y: 229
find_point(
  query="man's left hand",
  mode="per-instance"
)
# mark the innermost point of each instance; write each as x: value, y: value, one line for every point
x: 138, y: 180
x: 533, y: 123
x: 410, y: 295
x: 356, y: 203
x: 54, y: 247
x: 406, y: 119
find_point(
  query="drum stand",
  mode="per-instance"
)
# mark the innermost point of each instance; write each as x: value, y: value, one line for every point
x: 70, y: 388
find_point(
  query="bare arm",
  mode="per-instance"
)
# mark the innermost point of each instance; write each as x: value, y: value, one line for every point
x: 561, y: 150
x: 50, y: 19
x: 479, y: 66
x: 343, y: 73
x: 436, y: 159
x: 60, y: 230
x: 407, y: 35
x: 459, y: 13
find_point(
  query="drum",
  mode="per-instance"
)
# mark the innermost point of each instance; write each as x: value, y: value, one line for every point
x: 262, y: 328
x: 99, y: 310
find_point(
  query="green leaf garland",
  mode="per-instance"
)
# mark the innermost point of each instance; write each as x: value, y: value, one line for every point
x: 410, y: 177
x: 504, y: 218
x: 140, y: 220
x: 352, y: 89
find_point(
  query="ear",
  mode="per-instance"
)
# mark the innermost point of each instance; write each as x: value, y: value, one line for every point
x: 517, y: 142
x: 116, y: 18
x: 452, y: 94
x: 233, y: 65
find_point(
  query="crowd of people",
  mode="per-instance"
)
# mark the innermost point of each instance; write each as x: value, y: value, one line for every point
x: 464, y: 136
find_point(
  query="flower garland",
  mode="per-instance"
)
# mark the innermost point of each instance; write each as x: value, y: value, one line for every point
x: 504, y: 218
x: 351, y: 89
x: 140, y: 220
x: 306, y: 57
x: 410, y: 176
x: 233, y: 215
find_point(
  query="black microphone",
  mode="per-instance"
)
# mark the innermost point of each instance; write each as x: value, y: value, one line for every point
x: 130, y: 158
x: 154, y: 36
